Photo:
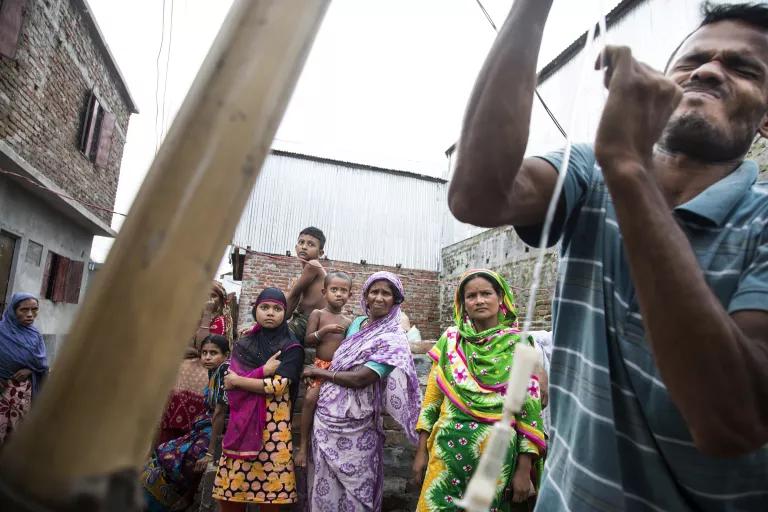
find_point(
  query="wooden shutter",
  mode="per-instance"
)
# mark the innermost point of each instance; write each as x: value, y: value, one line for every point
x: 44, y: 292
x: 105, y: 139
x: 60, y: 281
x: 11, y: 16
x: 238, y: 265
x: 74, y: 279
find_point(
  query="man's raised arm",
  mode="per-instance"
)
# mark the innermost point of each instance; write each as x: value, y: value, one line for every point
x: 492, y: 185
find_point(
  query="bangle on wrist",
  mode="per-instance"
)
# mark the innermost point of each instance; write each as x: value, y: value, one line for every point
x: 316, y: 336
x: 333, y: 377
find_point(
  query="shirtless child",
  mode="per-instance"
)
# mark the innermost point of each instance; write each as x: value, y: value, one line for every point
x: 306, y: 294
x: 326, y: 329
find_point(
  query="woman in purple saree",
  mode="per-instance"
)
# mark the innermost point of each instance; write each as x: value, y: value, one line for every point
x: 372, y: 372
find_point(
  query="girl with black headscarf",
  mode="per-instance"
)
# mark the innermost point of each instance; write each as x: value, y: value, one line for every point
x: 256, y: 465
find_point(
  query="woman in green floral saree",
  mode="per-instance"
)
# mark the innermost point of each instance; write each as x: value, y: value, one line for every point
x: 464, y: 397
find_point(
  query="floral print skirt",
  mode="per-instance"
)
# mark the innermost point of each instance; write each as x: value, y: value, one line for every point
x: 269, y: 478
x: 15, y: 401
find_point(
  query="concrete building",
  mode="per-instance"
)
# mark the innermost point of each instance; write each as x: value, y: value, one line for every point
x: 64, y: 111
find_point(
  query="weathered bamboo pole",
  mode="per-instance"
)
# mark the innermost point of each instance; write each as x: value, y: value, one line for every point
x: 99, y: 410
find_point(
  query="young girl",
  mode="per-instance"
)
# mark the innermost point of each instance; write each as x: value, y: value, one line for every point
x: 256, y: 465
x: 171, y: 476
x: 186, y: 402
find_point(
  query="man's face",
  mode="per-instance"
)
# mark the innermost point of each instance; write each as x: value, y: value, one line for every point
x: 723, y: 70
x: 308, y: 247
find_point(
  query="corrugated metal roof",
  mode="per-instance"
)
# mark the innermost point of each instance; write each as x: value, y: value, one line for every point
x: 383, y: 216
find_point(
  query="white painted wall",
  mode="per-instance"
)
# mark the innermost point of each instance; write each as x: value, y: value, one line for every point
x: 26, y: 216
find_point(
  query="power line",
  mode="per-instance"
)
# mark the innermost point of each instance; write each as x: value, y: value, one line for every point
x: 535, y: 90
x: 487, y: 16
x: 167, y: 67
x: 157, y: 76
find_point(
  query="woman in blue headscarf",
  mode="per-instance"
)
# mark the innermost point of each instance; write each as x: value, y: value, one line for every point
x: 23, y: 362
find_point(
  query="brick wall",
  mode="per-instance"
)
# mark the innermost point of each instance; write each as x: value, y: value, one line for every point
x: 501, y: 250
x: 421, y: 287
x: 43, y: 94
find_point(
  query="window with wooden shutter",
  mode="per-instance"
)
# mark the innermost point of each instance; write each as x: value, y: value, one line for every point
x: 11, y: 16
x: 89, y: 134
x: 106, y: 129
x: 97, y: 130
x: 60, y: 280
x: 74, y: 279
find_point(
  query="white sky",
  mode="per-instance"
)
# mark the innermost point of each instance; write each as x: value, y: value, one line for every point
x: 386, y: 82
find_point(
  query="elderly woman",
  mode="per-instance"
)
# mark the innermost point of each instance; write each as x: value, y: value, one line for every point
x: 464, y: 397
x: 372, y: 372
x: 23, y: 361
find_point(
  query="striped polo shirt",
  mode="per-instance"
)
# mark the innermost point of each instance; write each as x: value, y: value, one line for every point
x: 617, y: 441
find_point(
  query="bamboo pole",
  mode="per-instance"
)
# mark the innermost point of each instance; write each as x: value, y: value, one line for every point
x: 100, y: 408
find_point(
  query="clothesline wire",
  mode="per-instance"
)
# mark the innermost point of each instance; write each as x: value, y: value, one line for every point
x: 65, y: 196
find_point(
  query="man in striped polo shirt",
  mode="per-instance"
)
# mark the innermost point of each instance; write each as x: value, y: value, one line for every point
x: 659, y: 376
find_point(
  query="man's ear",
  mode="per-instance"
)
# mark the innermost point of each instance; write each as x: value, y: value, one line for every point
x: 763, y: 129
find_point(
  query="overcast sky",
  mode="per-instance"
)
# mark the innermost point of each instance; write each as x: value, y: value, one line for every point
x: 386, y: 82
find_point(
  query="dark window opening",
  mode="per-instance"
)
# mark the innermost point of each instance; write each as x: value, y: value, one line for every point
x: 98, y: 127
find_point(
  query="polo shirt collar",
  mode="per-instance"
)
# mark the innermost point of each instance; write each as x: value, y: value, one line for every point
x: 719, y: 199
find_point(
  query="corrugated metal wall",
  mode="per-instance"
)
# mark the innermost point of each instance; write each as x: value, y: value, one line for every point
x: 381, y: 217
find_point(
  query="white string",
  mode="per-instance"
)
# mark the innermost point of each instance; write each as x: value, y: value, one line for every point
x: 586, y: 66
x: 481, y: 488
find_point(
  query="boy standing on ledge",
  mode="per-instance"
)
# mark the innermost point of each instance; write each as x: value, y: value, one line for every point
x: 306, y: 294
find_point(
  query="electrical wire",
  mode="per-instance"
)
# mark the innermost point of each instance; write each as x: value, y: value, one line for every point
x: 487, y: 16
x: 535, y: 90
x: 167, y: 67
x: 157, y: 77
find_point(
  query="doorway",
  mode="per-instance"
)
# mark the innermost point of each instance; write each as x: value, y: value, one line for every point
x: 7, y: 253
